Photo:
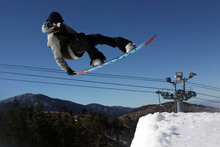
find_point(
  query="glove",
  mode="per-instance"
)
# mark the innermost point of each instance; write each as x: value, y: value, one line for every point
x: 70, y: 71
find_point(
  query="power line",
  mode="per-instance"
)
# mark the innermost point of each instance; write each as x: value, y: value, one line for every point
x: 208, y: 95
x: 116, y: 84
x: 31, y: 68
x: 88, y: 81
x: 107, y: 83
x: 104, y: 75
x: 207, y: 100
x: 126, y: 77
x: 53, y: 83
x: 101, y: 75
x: 75, y: 85
x: 204, y: 86
x: 88, y: 74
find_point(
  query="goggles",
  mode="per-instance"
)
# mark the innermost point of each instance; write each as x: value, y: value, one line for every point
x: 55, y: 25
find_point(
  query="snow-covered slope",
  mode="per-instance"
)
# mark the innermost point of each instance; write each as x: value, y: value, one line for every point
x: 178, y: 130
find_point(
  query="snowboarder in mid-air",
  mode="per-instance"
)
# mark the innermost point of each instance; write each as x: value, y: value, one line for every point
x: 66, y: 43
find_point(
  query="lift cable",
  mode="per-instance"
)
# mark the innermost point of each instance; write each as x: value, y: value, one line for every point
x: 88, y: 81
x: 63, y: 84
x: 88, y: 74
x: 207, y: 100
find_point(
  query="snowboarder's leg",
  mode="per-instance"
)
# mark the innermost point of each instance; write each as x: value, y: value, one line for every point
x: 123, y: 44
x: 100, y: 39
x: 95, y: 55
x: 76, y: 49
x: 119, y: 42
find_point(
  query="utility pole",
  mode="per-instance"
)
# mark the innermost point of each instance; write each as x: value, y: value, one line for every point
x: 179, y: 95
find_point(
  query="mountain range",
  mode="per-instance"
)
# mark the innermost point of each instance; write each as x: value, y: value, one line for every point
x: 54, y: 104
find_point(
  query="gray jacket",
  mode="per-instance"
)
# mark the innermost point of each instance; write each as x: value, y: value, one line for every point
x: 59, y: 46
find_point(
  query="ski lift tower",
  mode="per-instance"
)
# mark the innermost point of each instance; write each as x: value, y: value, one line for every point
x: 179, y: 95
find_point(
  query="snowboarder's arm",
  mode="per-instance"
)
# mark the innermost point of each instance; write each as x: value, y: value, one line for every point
x: 53, y: 43
x: 70, y: 30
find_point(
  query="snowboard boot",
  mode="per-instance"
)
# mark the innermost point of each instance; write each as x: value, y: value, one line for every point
x: 130, y: 46
x: 96, y: 62
x: 97, y: 59
x: 123, y: 44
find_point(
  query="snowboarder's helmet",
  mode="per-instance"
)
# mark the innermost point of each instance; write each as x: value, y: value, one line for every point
x: 55, y: 17
x: 54, y: 21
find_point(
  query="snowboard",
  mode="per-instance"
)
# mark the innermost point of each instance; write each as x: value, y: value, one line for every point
x: 118, y: 58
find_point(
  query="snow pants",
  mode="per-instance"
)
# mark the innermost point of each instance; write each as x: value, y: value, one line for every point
x: 88, y: 42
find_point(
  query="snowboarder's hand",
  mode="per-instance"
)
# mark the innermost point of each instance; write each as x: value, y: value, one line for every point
x: 70, y: 71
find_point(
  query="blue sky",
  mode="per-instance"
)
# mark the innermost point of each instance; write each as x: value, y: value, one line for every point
x: 188, y: 41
